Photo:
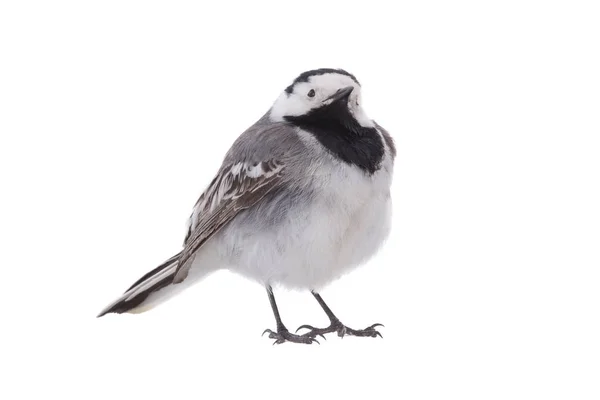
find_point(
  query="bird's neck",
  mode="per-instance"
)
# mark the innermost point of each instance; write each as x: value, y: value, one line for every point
x: 343, y: 136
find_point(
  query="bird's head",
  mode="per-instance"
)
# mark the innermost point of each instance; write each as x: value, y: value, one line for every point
x: 322, y: 97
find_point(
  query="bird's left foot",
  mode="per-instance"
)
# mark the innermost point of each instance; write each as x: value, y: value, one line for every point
x: 341, y: 329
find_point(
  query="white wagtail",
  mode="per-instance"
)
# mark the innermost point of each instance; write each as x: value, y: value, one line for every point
x: 302, y: 197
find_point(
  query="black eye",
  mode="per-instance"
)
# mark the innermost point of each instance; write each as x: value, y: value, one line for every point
x: 311, y: 93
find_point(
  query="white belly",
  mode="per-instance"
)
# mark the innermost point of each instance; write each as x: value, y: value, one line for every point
x: 341, y: 228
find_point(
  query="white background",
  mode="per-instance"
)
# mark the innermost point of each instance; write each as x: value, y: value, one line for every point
x: 114, y: 115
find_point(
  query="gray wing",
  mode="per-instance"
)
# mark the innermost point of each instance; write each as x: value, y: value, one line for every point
x: 265, y: 157
x: 236, y: 187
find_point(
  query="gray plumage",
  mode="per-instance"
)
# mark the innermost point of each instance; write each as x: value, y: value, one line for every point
x: 288, y: 205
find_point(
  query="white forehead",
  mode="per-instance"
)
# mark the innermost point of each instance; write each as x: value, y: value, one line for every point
x: 330, y: 82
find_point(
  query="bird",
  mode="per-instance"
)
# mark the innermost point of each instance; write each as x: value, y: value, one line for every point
x: 302, y: 197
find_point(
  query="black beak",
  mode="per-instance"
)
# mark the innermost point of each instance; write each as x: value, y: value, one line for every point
x: 341, y: 95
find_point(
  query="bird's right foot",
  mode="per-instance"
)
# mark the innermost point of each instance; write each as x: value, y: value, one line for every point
x: 341, y: 329
x: 283, y: 335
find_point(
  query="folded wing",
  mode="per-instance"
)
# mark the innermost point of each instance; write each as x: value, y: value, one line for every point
x: 235, y: 188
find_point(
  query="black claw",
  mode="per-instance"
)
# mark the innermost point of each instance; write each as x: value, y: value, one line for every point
x: 375, y: 326
x: 313, y: 332
x: 305, y: 327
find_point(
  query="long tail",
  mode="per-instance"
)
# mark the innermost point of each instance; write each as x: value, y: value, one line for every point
x: 134, y: 298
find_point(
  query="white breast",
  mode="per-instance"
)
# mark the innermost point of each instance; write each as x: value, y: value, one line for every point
x: 343, y: 226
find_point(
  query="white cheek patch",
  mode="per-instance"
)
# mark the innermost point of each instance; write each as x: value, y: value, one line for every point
x: 290, y: 104
x: 358, y: 112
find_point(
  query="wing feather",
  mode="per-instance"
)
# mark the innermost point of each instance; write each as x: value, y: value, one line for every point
x: 235, y: 188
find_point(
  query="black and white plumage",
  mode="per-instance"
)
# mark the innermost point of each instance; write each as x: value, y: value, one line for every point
x: 302, y: 197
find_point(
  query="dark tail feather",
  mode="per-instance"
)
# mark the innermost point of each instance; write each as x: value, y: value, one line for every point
x: 153, y: 281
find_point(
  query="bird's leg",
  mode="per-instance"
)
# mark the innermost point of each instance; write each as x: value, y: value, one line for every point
x: 336, y: 326
x: 282, y: 334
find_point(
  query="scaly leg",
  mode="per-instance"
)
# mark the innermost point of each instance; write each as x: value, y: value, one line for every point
x: 283, y: 335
